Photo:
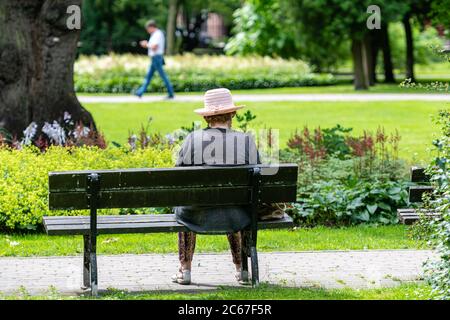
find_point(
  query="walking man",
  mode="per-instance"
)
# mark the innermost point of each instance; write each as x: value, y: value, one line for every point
x: 155, y: 48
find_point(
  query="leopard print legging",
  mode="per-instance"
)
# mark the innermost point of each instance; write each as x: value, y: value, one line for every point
x: 186, y: 247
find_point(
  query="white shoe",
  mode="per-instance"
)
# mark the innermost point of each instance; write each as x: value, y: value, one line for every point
x: 242, y: 277
x: 182, y: 277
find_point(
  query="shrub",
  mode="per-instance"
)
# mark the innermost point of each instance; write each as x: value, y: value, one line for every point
x: 346, y: 179
x: 437, y: 231
x: 438, y: 270
x: 124, y: 73
x: 24, y: 177
x: 334, y: 192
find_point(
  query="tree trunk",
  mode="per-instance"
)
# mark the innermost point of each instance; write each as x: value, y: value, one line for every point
x: 109, y: 21
x: 37, y: 54
x: 409, y: 48
x: 387, y: 57
x: 372, y: 45
x: 171, y: 26
x: 361, y: 76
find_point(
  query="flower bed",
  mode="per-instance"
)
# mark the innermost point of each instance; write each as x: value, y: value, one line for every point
x: 124, y: 73
x: 346, y: 179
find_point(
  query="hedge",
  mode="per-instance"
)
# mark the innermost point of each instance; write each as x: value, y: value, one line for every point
x: 24, y: 177
x: 124, y: 73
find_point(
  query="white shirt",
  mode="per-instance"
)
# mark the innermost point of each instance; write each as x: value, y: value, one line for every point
x: 157, y: 38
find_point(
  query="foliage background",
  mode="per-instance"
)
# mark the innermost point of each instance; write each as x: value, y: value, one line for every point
x: 123, y: 73
x: 118, y: 25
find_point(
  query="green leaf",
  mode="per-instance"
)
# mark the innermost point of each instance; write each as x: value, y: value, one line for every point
x: 372, y: 208
x: 384, y: 220
x: 384, y: 206
x: 395, y: 190
x: 363, y: 216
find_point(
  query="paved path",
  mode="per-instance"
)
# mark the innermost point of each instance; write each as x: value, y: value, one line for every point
x: 328, y: 269
x: 277, y: 97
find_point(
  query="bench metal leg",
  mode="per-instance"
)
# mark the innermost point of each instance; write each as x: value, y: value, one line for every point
x: 93, y: 190
x: 255, y: 268
x: 86, y: 263
x: 244, y: 251
x: 255, y: 202
x: 254, y: 257
x: 93, y: 273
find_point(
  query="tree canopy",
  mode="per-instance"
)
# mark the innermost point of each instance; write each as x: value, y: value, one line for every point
x: 263, y: 27
x: 117, y: 25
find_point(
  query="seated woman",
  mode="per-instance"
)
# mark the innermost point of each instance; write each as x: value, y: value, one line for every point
x: 217, y: 145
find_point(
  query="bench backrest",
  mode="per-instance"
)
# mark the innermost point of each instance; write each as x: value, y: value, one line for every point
x: 419, y: 175
x: 138, y: 188
x: 422, y: 181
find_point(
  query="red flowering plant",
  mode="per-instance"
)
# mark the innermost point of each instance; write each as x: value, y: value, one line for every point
x: 337, y: 142
x: 311, y: 146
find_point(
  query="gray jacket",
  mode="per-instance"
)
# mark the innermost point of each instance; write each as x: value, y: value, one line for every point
x: 216, y: 147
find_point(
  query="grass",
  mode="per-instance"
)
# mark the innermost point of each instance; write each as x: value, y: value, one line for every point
x: 319, y: 238
x: 338, y: 88
x: 411, y: 118
x: 411, y: 291
x: 437, y: 69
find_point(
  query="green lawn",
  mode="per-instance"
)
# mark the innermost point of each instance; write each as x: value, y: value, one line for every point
x: 438, y: 69
x: 319, y: 238
x: 413, y: 291
x: 338, y: 88
x: 411, y: 118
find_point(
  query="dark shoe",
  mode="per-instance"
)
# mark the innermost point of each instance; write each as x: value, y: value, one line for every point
x: 169, y: 98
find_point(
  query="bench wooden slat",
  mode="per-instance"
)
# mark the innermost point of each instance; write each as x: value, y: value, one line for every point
x: 172, y: 197
x: 109, y: 219
x: 416, y: 193
x: 409, y: 216
x: 169, y: 224
x: 81, y: 229
x: 177, y: 177
x: 407, y: 210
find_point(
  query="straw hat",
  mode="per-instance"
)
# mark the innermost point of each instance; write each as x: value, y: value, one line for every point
x: 217, y: 101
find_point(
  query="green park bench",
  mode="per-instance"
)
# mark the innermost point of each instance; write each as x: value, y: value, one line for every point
x: 180, y: 186
x: 421, y: 186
